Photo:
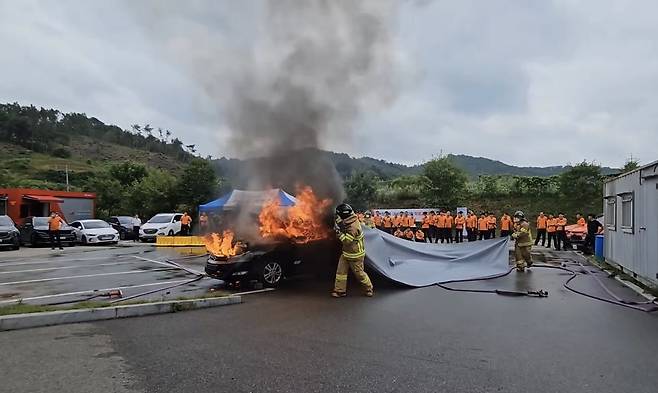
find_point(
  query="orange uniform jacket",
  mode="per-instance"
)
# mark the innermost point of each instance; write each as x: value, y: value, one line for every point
x: 459, y: 222
x: 582, y: 222
x: 185, y: 220
x: 450, y: 220
x: 505, y: 223
x: 483, y: 224
x: 54, y: 223
x: 397, y: 221
x: 377, y: 220
x: 561, y: 222
x: 472, y: 222
x: 411, y: 221
x: 420, y: 235
x: 491, y: 222
x: 388, y: 221
x: 441, y: 221
x: 409, y: 235
x: 542, y: 222
x: 551, y: 225
x: 426, y: 222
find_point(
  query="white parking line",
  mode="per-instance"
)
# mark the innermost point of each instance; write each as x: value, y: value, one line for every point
x: 169, y: 264
x: 87, y: 276
x: 92, y: 291
x: 43, y: 269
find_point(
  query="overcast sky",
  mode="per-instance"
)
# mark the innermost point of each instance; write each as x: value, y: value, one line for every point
x: 530, y: 83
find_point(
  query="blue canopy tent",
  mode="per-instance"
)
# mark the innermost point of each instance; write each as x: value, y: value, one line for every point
x: 247, y: 199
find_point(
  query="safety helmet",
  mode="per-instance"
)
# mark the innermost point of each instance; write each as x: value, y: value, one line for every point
x: 344, y: 210
x: 519, y: 214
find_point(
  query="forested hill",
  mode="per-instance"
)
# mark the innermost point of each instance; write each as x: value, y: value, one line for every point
x: 76, y: 138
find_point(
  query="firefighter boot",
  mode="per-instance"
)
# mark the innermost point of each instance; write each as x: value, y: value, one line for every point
x: 520, y: 266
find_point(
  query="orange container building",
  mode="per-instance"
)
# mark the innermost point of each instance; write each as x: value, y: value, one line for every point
x: 19, y: 203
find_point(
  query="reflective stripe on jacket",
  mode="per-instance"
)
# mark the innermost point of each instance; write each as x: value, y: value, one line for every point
x: 351, y: 237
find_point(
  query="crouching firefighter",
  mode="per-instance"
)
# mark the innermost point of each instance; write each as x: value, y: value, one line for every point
x: 349, y: 232
x: 522, y: 241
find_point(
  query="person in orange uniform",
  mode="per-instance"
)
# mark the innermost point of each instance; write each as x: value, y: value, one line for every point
x: 505, y: 225
x: 551, y: 226
x: 397, y: 220
x: 387, y: 222
x: 185, y: 223
x: 491, y: 225
x: 425, y: 226
x: 434, y: 229
x: 450, y: 223
x: 542, y: 224
x: 460, y: 222
x: 409, y: 234
x: 420, y: 236
x: 483, y: 227
x: 560, y: 233
x: 441, y: 225
x: 377, y: 219
x: 411, y: 221
x: 471, y: 226
x: 54, y: 224
x: 398, y: 233
x: 580, y: 220
x: 203, y: 223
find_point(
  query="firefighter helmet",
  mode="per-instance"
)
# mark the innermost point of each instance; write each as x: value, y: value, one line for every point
x: 519, y: 214
x: 344, y: 210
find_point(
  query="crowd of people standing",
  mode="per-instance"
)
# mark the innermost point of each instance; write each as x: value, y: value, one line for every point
x: 442, y: 226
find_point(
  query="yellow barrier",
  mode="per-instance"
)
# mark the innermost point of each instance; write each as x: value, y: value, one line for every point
x: 179, y: 241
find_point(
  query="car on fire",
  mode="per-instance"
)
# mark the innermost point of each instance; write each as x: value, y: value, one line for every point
x: 163, y: 224
x: 576, y: 234
x: 9, y: 234
x: 94, y: 232
x: 34, y: 232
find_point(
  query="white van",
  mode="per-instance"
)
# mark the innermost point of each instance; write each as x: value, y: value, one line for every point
x: 163, y: 224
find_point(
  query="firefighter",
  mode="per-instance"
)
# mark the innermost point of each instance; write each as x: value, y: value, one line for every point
x: 450, y: 222
x: 185, y: 223
x: 441, y: 225
x: 460, y: 221
x: 411, y: 221
x: 505, y: 225
x: 367, y: 220
x: 522, y: 242
x: 560, y: 234
x: 483, y: 227
x: 54, y: 224
x: 471, y: 226
x: 397, y: 220
x: 388, y: 223
x: 425, y: 226
x: 580, y: 220
x: 542, y: 224
x: 398, y: 233
x: 409, y: 234
x: 420, y: 236
x: 350, y: 234
x: 551, y: 226
x: 491, y: 225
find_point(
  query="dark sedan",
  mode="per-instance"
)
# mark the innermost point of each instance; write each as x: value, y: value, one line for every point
x: 123, y: 225
x: 34, y: 232
x: 9, y: 235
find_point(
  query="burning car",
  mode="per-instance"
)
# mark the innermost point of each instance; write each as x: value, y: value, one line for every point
x: 285, y: 238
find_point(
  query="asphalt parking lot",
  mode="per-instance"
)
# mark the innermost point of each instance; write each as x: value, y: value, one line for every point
x: 43, y: 276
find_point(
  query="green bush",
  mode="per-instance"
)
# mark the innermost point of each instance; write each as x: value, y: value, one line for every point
x: 61, y: 153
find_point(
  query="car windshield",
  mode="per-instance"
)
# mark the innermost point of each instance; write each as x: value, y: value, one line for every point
x: 6, y: 221
x: 96, y: 224
x: 125, y: 220
x: 40, y: 221
x: 161, y: 219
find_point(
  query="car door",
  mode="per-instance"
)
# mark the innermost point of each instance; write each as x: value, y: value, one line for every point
x: 77, y: 229
x: 114, y: 221
x: 176, y: 223
x: 26, y: 230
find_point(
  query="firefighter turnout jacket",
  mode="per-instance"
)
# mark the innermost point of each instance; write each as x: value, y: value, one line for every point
x: 350, y: 235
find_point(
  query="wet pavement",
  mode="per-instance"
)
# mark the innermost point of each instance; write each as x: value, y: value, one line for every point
x: 42, y: 276
x: 298, y: 339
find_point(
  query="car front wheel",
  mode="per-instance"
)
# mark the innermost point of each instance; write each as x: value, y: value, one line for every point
x: 271, y: 273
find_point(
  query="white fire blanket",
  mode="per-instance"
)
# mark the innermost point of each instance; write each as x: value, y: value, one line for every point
x: 423, y: 264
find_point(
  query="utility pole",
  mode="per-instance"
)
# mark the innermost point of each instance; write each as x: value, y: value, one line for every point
x: 67, y: 177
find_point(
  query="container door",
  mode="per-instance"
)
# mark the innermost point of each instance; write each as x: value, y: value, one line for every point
x: 648, y: 228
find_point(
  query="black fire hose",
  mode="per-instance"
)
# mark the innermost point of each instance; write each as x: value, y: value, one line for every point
x: 543, y: 293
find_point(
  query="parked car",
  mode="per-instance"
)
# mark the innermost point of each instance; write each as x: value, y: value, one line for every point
x: 576, y: 234
x: 9, y: 234
x: 94, y: 232
x: 34, y: 232
x: 163, y: 224
x: 123, y: 225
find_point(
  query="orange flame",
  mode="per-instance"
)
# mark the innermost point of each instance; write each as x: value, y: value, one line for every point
x: 217, y: 244
x: 300, y: 223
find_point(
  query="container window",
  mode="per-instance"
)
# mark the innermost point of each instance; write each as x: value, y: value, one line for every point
x: 627, y: 212
x: 611, y: 213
